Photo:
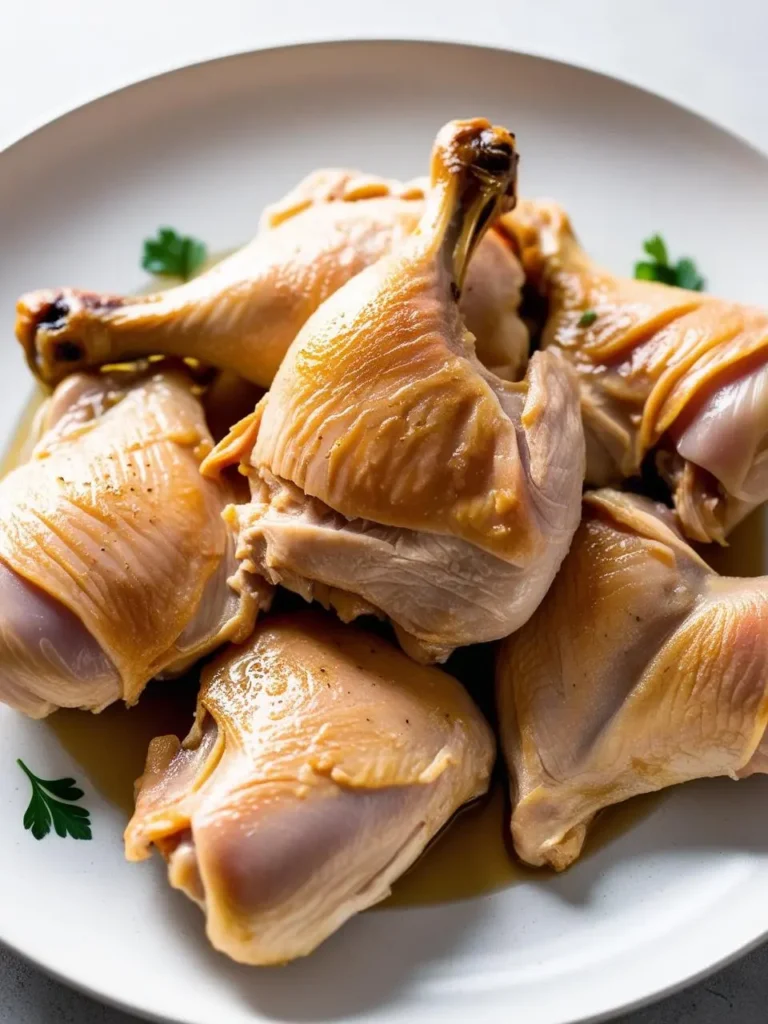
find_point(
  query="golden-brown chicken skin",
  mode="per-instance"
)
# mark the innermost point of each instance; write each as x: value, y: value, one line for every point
x: 114, y: 558
x: 321, y: 762
x: 641, y: 669
x: 388, y: 463
x: 242, y: 314
x: 660, y: 368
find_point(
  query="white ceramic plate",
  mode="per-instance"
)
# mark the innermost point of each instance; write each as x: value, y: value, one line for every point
x: 203, y: 149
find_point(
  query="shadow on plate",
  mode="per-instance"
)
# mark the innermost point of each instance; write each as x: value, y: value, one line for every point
x: 337, y: 981
x: 709, y: 815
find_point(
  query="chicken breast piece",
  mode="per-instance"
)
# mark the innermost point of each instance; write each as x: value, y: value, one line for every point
x: 660, y: 368
x: 321, y: 763
x: 114, y: 559
x: 388, y: 463
x: 243, y: 314
x: 641, y: 669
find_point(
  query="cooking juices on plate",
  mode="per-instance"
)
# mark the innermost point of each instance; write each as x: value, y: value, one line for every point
x: 410, y: 459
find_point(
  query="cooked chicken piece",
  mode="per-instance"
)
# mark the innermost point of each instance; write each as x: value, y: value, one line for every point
x: 244, y: 313
x: 660, y: 368
x: 641, y: 669
x: 320, y: 764
x: 391, y: 472
x: 114, y: 559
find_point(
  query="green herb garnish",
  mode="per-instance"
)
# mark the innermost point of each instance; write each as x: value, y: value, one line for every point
x: 587, y: 318
x: 44, y: 811
x: 684, y: 273
x: 173, y: 255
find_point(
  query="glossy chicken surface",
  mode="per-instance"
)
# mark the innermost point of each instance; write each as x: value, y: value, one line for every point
x: 114, y: 559
x: 390, y: 471
x: 643, y: 668
x: 660, y: 368
x: 321, y: 762
x: 243, y: 314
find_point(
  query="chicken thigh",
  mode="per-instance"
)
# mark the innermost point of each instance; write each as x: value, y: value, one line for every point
x: 390, y: 471
x: 641, y: 669
x: 320, y: 764
x: 114, y: 559
x: 244, y: 313
x: 661, y: 369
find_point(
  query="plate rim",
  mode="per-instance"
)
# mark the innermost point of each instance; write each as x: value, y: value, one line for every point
x: 444, y: 42
x: 154, y: 80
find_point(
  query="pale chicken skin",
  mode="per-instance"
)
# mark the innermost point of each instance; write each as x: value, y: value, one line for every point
x: 243, y: 314
x: 643, y: 668
x: 390, y: 471
x: 114, y: 558
x: 320, y: 764
x: 660, y: 368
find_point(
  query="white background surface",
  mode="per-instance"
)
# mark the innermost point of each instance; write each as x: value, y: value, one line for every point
x: 706, y: 54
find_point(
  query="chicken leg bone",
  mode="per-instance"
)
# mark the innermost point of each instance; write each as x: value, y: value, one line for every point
x: 243, y: 313
x: 389, y: 464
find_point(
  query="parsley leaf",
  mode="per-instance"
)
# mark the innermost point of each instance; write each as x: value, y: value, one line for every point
x: 587, y: 318
x: 688, y: 275
x: 655, y: 272
x: 684, y: 273
x: 43, y: 811
x: 37, y: 820
x: 656, y: 249
x: 70, y: 820
x: 173, y: 255
x: 65, y: 789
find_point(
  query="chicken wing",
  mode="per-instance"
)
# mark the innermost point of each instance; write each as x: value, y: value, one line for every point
x: 391, y: 472
x: 114, y: 559
x: 641, y: 669
x: 244, y: 313
x: 660, y: 368
x: 320, y: 764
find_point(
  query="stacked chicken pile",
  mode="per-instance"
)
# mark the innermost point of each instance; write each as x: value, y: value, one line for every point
x: 412, y: 461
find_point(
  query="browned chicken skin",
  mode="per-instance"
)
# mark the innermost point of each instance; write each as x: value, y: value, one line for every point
x: 641, y: 669
x: 661, y: 369
x: 114, y: 559
x: 243, y: 313
x: 390, y: 471
x: 321, y: 763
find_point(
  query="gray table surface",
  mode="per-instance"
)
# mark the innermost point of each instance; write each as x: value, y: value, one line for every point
x: 706, y: 54
x: 735, y: 995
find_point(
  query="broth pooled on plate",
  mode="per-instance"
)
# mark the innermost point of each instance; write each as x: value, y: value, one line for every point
x: 389, y: 404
